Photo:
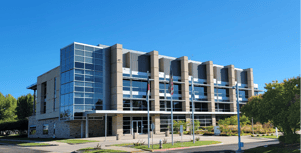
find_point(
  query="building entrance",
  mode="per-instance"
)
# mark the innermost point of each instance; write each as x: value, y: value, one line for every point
x: 137, y: 126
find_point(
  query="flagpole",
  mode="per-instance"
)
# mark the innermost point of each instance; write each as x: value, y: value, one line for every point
x: 192, y: 97
x: 171, y: 105
x: 148, y: 109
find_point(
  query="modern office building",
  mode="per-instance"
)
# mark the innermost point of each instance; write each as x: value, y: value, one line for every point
x: 101, y: 90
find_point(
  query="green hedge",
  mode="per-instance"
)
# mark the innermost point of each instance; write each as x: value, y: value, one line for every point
x: 290, y: 139
x: 14, y: 125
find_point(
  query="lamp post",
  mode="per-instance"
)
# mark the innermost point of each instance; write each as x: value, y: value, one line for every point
x: 240, y: 144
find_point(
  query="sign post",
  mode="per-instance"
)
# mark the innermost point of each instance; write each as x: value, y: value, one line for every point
x: 153, y: 127
x: 181, y: 131
x: 148, y: 90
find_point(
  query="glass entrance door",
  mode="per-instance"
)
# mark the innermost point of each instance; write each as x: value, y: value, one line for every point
x: 137, y: 126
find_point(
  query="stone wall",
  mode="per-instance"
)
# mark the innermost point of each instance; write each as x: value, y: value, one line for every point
x: 96, y: 128
x: 62, y: 129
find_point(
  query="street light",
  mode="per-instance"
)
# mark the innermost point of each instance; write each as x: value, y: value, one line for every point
x: 240, y: 144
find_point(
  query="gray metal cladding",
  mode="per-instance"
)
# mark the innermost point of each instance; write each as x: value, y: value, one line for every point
x: 218, y: 73
x: 124, y: 60
x: 238, y: 76
x: 140, y: 62
x: 224, y: 74
x: 107, y: 75
x: 199, y: 71
x: 175, y: 65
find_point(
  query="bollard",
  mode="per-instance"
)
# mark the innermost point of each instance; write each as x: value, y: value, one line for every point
x: 160, y: 143
x: 166, y: 133
x: 118, y: 137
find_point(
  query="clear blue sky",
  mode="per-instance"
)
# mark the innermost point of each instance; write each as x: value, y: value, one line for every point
x: 259, y: 34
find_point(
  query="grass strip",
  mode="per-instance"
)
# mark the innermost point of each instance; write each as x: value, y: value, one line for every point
x: 271, y: 137
x: 169, y: 145
x: 90, y: 150
x: 75, y: 141
x: 24, y: 143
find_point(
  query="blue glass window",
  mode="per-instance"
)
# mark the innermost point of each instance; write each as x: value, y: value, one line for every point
x: 79, y: 65
x: 79, y: 101
x: 89, y: 66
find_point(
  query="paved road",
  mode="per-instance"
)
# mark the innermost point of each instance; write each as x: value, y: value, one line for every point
x: 230, y: 148
x: 16, y: 149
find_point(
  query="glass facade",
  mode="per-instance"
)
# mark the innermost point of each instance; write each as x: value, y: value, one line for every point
x: 221, y: 94
x: 81, y: 80
x: 243, y: 94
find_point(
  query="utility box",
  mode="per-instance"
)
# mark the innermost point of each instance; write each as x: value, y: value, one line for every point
x: 216, y: 130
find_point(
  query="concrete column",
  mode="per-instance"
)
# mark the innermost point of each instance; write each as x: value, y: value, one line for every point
x: 232, y: 92
x: 82, y: 129
x: 117, y: 125
x: 87, y: 126
x: 250, y: 82
x: 116, y: 78
x: 39, y: 99
x: 185, y: 86
x: 156, y: 121
x: 155, y: 84
x: 188, y: 119
x: 210, y: 89
x: 213, y: 120
x: 34, y: 103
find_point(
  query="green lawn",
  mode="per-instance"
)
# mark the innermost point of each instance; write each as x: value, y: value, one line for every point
x: 24, y: 143
x: 87, y: 150
x: 271, y: 137
x: 179, y: 144
x: 18, y: 137
x: 75, y: 141
x: 275, y: 149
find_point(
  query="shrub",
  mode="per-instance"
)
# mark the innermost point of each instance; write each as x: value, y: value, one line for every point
x: 252, y: 135
x: 272, y: 134
x: 197, y: 138
x: 257, y: 135
x: 299, y: 140
x: 289, y: 139
x: 209, y: 128
x: 281, y: 139
x: 185, y: 132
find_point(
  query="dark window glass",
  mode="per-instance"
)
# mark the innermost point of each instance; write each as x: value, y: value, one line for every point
x: 79, y: 77
x: 79, y: 65
x: 89, y: 89
x: 79, y: 101
x: 89, y: 66
x: 89, y: 78
x: 88, y: 101
x: 98, y: 79
x: 79, y: 88
x: 98, y: 56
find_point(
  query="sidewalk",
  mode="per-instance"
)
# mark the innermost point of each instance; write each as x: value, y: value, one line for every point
x: 63, y: 147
